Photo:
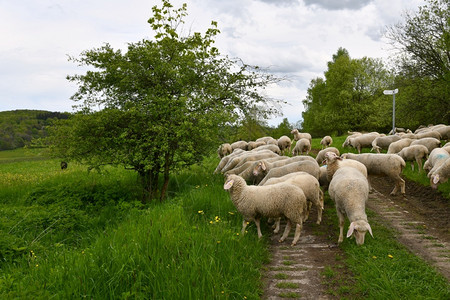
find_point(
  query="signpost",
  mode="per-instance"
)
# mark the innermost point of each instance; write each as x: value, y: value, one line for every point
x: 392, y: 92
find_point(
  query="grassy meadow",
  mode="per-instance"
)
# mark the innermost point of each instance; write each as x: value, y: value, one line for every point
x: 78, y: 234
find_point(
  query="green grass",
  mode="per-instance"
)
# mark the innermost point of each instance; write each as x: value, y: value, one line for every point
x: 73, y: 234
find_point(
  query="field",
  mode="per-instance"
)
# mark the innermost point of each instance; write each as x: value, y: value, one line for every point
x: 75, y: 234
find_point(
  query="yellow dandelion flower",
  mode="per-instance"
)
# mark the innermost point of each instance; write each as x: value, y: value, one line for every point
x: 374, y: 257
x: 37, y: 265
x: 237, y: 233
x: 390, y: 256
x: 218, y: 242
x: 231, y: 213
x: 210, y: 222
x: 201, y: 212
x: 222, y: 292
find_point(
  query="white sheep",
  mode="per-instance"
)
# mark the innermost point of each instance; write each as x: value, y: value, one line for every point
x: 383, y: 142
x: 436, y: 158
x: 351, y: 135
x: 414, y: 153
x: 323, y: 177
x: 298, y: 135
x: 321, y: 155
x: 302, y: 145
x: 397, y: 146
x: 273, y: 201
x: 362, y: 141
x: 311, y: 167
x: 326, y: 141
x: 262, y: 167
x: 253, y: 145
x: 310, y: 186
x: 284, y: 143
x: 429, y: 142
x: 271, y: 147
x: 239, y: 145
x: 224, y: 150
x: 390, y: 165
x: 222, y: 163
x: 350, y: 189
x: 444, y: 131
x: 248, y: 165
x: 268, y: 140
x: 247, y: 156
x: 334, y: 162
x: 440, y: 174
x: 428, y: 134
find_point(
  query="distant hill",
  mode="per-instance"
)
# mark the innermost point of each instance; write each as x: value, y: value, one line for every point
x: 19, y: 127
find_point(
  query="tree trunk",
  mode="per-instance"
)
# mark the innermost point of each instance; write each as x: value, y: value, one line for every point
x: 149, y: 183
x: 167, y: 163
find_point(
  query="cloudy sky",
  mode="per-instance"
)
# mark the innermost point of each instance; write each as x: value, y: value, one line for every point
x: 294, y: 38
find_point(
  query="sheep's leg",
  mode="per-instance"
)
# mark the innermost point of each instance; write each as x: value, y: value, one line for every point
x: 341, y: 226
x: 412, y: 165
x: 298, y: 230
x: 319, y: 213
x: 286, y: 231
x: 308, y: 209
x: 244, y: 225
x: 258, y: 227
x: 419, y: 163
x: 277, y: 225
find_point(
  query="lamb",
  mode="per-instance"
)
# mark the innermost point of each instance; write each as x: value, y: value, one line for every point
x: 257, y: 155
x: 310, y: 186
x: 224, y: 150
x: 326, y: 141
x: 284, y: 143
x: 414, y: 153
x: 239, y: 145
x: 390, y: 165
x: 429, y: 142
x: 321, y: 155
x: 302, y: 145
x: 350, y: 189
x: 351, y: 135
x: 273, y: 201
x: 311, y: 167
x: 397, y: 146
x: 440, y: 174
x: 383, y: 142
x: 362, y: 141
x: 298, y: 135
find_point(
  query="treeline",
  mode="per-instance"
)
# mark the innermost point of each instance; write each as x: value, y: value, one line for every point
x: 350, y: 96
x: 19, y: 128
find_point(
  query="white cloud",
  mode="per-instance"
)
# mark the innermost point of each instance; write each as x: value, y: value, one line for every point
x: 295, y: 38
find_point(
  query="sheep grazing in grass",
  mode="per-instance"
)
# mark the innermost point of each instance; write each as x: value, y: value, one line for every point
x: 321, y: 155
x: 397, y: 146
x: 271, y: 147
x: 436, y: 158
x: 224, y: 150
x: 323, y: 178
x: 310, y: 186
x: 311, y: 167
x: 247, y: 156
x: 428, y: 134
x: 414, y: 153
x: 429, y: 142
x: 362, y: 141
x: 350, y: 189
x: 444, y: 131
x: 383, y: 142
x: 284, y: 143
x: 390, y: 165
x: 326, y: 141
x: 273, y: 201
x: 440, y: 174
x: 262, y: 167
x: 223, y: 162
x: 253, y: 145
x: 302, y: 145
x: 351, y: 135
x: 299, y: 135
x: 239, y: 145
x: 268, y: 140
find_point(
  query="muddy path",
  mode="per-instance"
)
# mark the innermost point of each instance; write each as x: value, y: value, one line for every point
x: 421, y: 218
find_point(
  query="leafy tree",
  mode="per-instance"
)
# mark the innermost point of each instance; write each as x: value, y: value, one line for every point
x: 349, y: 98
x: 157, y: 107
x: 423, y: 63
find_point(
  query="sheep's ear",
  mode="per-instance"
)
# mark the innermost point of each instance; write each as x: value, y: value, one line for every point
x: 350, y: 229
x: 436, y: 179
x: 228, y: 184
x: 369, y: 229
x: 263, y: 166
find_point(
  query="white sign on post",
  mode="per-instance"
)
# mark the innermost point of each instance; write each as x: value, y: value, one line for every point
x: 390, y: 92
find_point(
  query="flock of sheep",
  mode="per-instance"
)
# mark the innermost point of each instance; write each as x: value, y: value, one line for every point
x: 263, y: 181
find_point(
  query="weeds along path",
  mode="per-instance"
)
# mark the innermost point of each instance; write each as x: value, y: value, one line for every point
x: 421, y: 218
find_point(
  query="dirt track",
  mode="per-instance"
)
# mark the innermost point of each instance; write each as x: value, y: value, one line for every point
x: 421, y: 219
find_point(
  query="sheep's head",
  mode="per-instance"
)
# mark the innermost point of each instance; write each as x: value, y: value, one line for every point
x: 359, y: 229
x: 435, y: 180
x: 331, y: 157
x: 294, y: 131
x: 259, y: 167
x: 229, y: 181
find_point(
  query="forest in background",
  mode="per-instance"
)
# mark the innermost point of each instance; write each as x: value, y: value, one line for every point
x: 19, y: 128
